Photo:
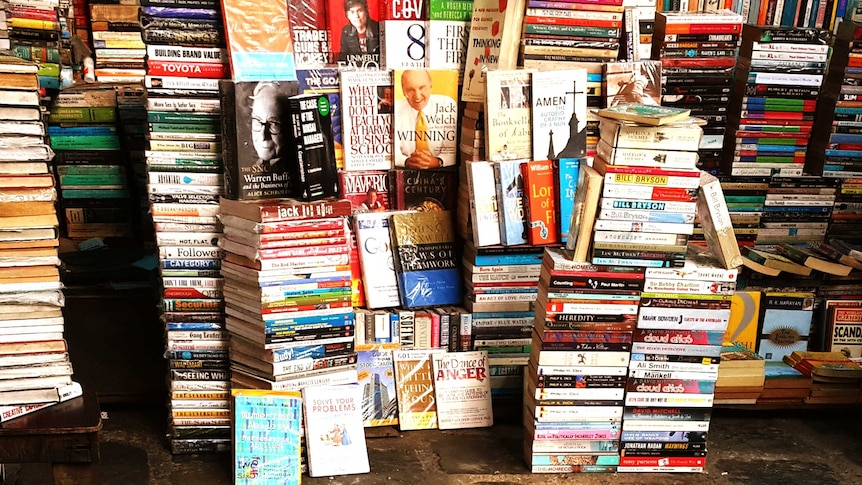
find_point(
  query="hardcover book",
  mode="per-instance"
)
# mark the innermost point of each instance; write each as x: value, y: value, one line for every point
x: 259, y: 40
x: 354, y: 32
x: 495, y: 33
x: 462, y: 390
x: 312, y: 153
x: 266, y: 433
x: 377, y: 376
x: 414, y: 385
x: 376, y: 260
x: 425, y: 261
x: 510, y: 202
x: 367, y: 190
x: 255, y: 139
x: 367, y: 104
x: 447, y: 45
x: 334, y: 435
x: 540, y: 202
x: 559, y: 114
x: 508, y: 127
x: 426, y: 118
x: 423, y: 190
x: 403, y: 44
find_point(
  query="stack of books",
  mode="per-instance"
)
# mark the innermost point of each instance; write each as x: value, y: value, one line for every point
x: 575, y: 383
x: 288, y: 293
x: 646, y: 206
x: 38, y: 31
x: 698, y: 54
x: 783, y: 384
x: 472, y: 145
x: 744, y: 197
x: 682, y: 319
x: 740, y: 375
x: 775, y: 94
x: 119, y: 51
x: 796, y: 210
x: 91, y: 170
x: 847, y: 212
x: 571, y: 32
x: 35, y: 370
x: 835, y: 378
x: 132, y: 121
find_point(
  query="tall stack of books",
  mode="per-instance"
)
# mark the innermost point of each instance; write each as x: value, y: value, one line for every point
x: 646, y: 206
x: 118, y: 45
x: 132, y: 124
x: 677, y: 345
x: 796, y: 210
x: 847, y: 212
x: 91, y: 169
x: 288, y: 293
x: 570, y: 32
x: 35, y: 370
x: 771, y: 112
x: 698, y: 54
x: 38, y: 24
x: 575, y: 383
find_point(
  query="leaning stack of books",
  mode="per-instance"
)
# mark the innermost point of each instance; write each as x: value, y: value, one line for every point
x: 288, y: 293
x: 776, y: 104
x: 649, y: 196
x: 91, y: 170
x: 579, y: 356
x: 35, y: 370
x: 119, y: 51
x: 681, y: 323
x: 698, y: 54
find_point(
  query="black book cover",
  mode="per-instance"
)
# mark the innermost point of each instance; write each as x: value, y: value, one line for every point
x: 314, y: 170
x: 255, y: 139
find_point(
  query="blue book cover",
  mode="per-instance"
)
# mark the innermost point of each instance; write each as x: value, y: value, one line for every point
x: 377, y: 376
x: 510, y: 202
x: 567, y: 182
x: 267, y: 430
x: 785, y: 325
x: 426, y: 265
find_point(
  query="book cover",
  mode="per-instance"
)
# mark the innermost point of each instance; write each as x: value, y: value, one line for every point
x: 312, y: 154
x: 266, y: 433
x: 785, y: 324
x: 414, y: 385
x: 367, y: 104
x: 334, y: 434
x: 632, y: 82
x: 376, y: 260
x: 510, y: 202
x: 403, y: 44
x: 495, y: 33
x: 647, y: 114
x: 377, y: 376
x: 484, y: 217
x: 744, y: 318
x: 399, y: 10
x: 259, y: 40
x: 425, y: 261
x: 354, y: 32
x: 565, y: 185
x: 540, y: 202
x: 844, y: 330
x: 462, y: 390
x: 307, y: 19
x: 367, y: 190
x: 587, y: 194
x: 255, y: 122
x: 559, y: 114
x: 426, y: 118
x: 508, y: 127
x: 423, y: 190
x: 325, y: 81
x: 447, y: 45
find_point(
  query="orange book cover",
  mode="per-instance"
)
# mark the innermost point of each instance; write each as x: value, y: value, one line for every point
x: 259, y: 40
x: 540, y: 202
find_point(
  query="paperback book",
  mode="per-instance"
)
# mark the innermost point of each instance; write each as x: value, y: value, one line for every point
x: 462, y: 390
x: 334, y: 435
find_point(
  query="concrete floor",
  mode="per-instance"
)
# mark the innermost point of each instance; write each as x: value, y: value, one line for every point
x: 817, y: 447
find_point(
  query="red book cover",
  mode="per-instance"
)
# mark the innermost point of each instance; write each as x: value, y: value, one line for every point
x: 533, y: 19
x: 358, y: 295
x: 367, y: 190
x: 697, y: 28
x: 311, y: 42
x: 539, y: 200
x: 354, y: 31
x: 187, y: 69
x: 403, y: 10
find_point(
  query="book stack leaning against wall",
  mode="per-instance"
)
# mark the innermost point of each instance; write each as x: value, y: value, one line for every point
x: 35, y: 371
x: 575, y: 383
x: 681, y: 323
x: 288, y: 293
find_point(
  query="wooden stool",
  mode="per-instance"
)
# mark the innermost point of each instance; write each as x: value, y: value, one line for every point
x: 65, y: 435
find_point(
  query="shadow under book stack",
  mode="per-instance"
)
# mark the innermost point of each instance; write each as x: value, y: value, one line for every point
x: 677, y: 345
x: 91, y: 169
x: 698, y: 53
x: 575, y: 382
x: 35, y: 370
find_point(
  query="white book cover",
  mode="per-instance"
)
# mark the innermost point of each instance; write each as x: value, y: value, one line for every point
x: 334, y: 434
x: 404, y: 44
x: 483, y: 192
x: 367, y: 102
x: 375, y: 259
x: 447, y: 45
x: 462, y: 389
x: 559, y: 119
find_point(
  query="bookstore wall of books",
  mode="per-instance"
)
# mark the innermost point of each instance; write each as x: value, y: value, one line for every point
x: 612, y: 215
